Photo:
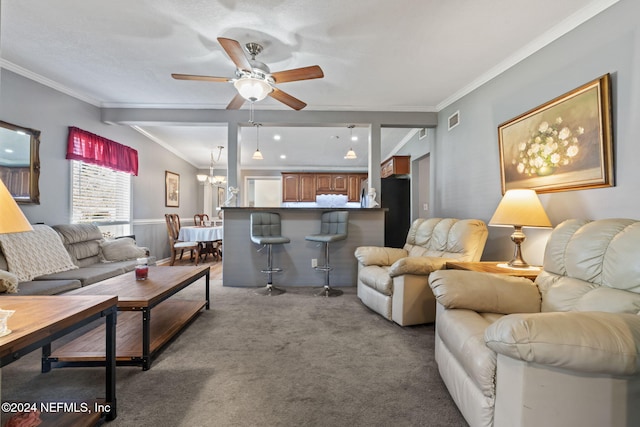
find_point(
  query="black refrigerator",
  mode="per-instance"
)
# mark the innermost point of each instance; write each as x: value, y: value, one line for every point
x: 396, y: 197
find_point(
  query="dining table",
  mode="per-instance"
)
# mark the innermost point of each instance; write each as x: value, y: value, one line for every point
x: 200, y: 233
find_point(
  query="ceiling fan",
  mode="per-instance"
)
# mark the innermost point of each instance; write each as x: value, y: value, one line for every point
x: 254, y: 80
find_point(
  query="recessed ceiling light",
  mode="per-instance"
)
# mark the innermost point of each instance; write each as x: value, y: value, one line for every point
x: 8, y: 150
x: 283, y: 156
x: 354, y: 138
x: 276, y: 137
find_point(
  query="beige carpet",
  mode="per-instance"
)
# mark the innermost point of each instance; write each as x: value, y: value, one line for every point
x: 291, y: 360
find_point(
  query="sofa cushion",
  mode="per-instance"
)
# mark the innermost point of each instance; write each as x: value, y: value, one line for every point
x: 609, y: 300
x: 121, y: 249
x: 462, y: 331
x: 377, y: 277
x: 460, y: 239
x: 484, y: 292
x: 594, y: 342
x: 416, y: 265
x: 8, y: 282
x: 86, y: 275
x: 34, y: 253
x: 125, y: 266
x: 47, y: 287
x: 82, y: 241
x: 376, y: 255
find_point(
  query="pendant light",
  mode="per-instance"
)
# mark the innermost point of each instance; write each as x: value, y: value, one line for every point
x: 215, y: 180
x: 351, y: 155
x: 257, y: 155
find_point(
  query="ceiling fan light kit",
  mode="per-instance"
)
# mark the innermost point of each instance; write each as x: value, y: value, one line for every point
x: 254, y: 80
x: 252, y: 89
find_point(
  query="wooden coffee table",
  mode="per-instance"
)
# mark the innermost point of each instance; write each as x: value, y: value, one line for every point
x: 138, y: 337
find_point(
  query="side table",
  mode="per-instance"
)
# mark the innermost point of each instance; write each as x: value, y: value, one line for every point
x: 493, y: 267
x: 39, y: 320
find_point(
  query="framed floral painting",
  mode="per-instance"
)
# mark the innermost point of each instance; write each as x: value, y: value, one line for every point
x: 564, y: 144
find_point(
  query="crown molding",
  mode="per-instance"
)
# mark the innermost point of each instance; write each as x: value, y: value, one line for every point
x: 47, y: 82
x: 565, y: 26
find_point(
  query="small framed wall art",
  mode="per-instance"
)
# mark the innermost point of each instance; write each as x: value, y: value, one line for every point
x: 564, y: 144
x: 171, y: 189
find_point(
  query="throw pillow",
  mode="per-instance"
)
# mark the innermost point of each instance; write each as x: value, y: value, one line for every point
x: 8, y: 282
x: 121, y: 250
x: 35, y: 253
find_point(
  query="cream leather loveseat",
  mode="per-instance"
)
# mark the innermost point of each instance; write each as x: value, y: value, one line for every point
x: 560, y: 352
x: 394, y: 282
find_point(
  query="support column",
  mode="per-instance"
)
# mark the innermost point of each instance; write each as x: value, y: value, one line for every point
x: 233, y: 161
x: 375, y: 142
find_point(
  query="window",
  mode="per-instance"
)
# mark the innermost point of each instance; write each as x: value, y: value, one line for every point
x: 102, y: 196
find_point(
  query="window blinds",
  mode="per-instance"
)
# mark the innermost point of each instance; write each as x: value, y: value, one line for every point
x: 100, y: 195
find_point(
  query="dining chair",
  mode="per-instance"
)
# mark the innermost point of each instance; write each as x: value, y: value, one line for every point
x: 206, y: 248
x: 175, y: 244
x: 199, y: 219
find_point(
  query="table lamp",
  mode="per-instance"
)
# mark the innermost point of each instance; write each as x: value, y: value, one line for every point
x: 520, y: 208
x: 12, y: 220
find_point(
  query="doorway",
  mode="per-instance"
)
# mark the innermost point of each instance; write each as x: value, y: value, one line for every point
x: 263, y: 191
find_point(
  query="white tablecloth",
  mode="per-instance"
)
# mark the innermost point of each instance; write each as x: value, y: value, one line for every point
x: 200, y: 234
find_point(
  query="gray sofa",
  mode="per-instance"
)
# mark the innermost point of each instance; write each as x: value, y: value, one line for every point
x: 96, y: 259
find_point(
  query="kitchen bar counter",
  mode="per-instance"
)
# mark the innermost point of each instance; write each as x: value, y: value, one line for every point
x: 242, y: 263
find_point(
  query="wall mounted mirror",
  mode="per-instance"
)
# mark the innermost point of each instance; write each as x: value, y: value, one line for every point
x: 20, y: 162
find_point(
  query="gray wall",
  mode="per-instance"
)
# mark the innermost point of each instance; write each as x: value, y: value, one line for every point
x: 466, y: 160
x: 27, y: 103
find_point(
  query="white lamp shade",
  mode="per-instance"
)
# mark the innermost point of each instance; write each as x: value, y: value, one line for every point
x: 351, y: 154
x: 521, y: 208
x: 252, y: 89
x: 201, y: 178
x: 257, y: 155
x: 12, y: 220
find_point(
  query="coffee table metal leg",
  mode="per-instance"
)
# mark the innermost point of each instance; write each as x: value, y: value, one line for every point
x: 207, y: 290
x: 110, y: 362
x: 46, y: 363
x: 146, y: 338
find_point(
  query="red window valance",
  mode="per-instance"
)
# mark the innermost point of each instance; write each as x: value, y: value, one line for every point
x: 91, y: 148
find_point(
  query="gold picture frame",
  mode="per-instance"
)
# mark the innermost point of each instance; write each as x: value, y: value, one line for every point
x: 171, y: 189
x: 564, y: 144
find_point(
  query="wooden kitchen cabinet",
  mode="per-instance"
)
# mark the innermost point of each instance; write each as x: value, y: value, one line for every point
x: 303, y: 187
x: 298, y: 187
x: 290, y: 187
x: 396, y: 165
x: 355, y: 186
x: 307, y: 187
x: 331, y: 183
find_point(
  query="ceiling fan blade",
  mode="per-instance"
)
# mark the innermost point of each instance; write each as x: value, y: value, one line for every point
x: 235, y: 52
x: 304, y: 73
x: 203, y: 78
x: 236, y: 102
x: 287, y: 99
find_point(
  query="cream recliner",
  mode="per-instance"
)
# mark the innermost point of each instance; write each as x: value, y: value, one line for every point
x: 394, y: 282
x: 560, y: 352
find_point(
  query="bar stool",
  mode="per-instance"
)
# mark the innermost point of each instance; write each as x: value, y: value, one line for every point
x: 333, y: 227
x: 266, y: 231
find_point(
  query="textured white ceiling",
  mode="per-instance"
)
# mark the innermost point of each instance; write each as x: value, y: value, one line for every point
x: 377, y: 55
